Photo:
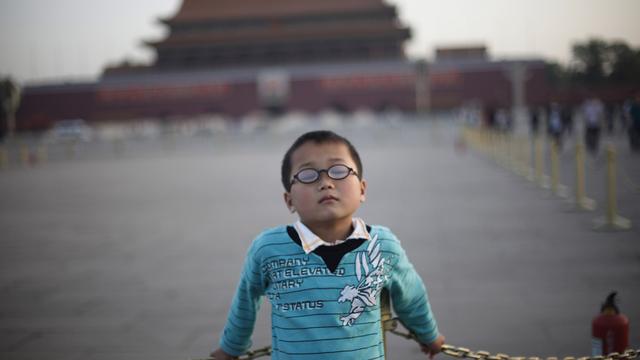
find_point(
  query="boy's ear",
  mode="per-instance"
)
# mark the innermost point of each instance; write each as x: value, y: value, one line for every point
x: 363, y: 190
x: 288, y: 202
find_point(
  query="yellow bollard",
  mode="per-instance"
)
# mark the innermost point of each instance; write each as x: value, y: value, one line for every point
x: 513, y: 154
x: 487, y: 142
x: 493, y: 142
x: 496, y: 147
x: 556, y: 188
x: 540, y: 178
x: 169, y: 142
x: 468, y: 137
x: 43, y: 154
x: 70, y: 149
x: 24, y: 155
x: 537, y: 158
x: 4, y: 158
x: 504, y: 150
x: 476, y: 141
x: 118, y: 147
x: 527, y: 170
x: 611, y: 220
x: 527, y: 152
x: 582, y: 202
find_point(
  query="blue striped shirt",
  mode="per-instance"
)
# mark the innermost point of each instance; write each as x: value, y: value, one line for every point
x: 319, y: 314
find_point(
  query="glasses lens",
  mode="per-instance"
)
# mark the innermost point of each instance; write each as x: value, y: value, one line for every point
x: 338, y: 172
x: 307, y: 176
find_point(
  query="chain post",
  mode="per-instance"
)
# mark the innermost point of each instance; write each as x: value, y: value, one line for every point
x: 582, y: 202
x: 611, y: 220
x: 385, y: 317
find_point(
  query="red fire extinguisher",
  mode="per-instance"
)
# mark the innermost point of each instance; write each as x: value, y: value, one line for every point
x: 610, y: 329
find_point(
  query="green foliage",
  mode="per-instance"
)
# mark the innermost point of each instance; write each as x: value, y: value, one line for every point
x: 9, y: 96
x: 557, y: 74
x: 9, y: 102
x: 598, y: 62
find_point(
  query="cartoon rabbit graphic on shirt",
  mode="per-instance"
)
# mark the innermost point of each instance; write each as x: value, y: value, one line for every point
x: 371, y: 275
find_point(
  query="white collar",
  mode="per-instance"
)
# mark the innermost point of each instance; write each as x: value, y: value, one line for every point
x: 311, y: 241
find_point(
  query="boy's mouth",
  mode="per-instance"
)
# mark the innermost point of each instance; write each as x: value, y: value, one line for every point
x: 327, y: 198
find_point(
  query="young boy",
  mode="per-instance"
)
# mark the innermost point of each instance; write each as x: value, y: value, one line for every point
x: 323, y: 275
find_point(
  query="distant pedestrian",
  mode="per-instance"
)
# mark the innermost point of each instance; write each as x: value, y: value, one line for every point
x: 634, y: 123
x: 626, y: 112
x: 609, y: 117
x: 502, y: 121
x: 593, y: 113
x: 554, y: 124
x: 489, y: 117
x: 566, y: 115
x: 534, y: 121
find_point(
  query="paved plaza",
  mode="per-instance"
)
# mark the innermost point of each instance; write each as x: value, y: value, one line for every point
x: 135, y: 254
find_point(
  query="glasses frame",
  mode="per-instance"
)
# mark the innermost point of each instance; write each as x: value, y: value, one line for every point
x: 319, y: 173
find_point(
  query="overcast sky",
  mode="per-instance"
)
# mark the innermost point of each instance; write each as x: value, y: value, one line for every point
x: 74, y: 39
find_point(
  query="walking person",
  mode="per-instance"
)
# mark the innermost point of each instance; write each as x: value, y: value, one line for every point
x: 554, y: 124
x: 633, y: 127
x: 593, y: 113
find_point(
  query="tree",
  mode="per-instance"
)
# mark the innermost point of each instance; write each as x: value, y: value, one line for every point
x: 597, y: 62
x: 9, y: 102
x: 623, y: 63
x: 557, y: 74
x: 589, y: 62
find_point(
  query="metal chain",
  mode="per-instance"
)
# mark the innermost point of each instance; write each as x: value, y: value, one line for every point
x: 464, y: 353
x: 265, y: 351
x: 633, y: 185
x: 390, y: 324
x: 249, y: 355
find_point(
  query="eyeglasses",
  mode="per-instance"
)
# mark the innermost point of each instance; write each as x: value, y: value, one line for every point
x: 335, y: 172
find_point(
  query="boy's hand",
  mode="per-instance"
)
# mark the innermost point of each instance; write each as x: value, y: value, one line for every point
x: 221, y: 355
x: 433, y: 348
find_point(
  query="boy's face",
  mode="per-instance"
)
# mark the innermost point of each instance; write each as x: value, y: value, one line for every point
x: 325, y: 201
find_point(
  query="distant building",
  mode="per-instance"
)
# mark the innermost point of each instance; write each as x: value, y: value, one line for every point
x: 464, y: 53
x: 464, y: 75
x: 214, y: 34
x: 237, y: 57
x: 234, y: 58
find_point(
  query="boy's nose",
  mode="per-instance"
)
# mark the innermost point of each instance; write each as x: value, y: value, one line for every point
x: 325, y: 182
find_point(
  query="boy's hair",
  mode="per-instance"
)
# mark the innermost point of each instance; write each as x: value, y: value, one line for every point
x: 317, y: 137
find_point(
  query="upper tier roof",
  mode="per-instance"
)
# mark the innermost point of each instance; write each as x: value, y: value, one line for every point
x: 283, y: 35
x: 204, y: 10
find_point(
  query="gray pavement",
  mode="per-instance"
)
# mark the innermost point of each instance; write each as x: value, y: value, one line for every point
x: 136, y: 256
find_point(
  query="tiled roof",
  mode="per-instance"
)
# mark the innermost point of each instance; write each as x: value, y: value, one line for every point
x: 286, y: 34
x: 201, y: 10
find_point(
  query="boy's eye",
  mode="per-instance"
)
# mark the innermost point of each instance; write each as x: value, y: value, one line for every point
x: 307, y: 175
x: 338, y: 172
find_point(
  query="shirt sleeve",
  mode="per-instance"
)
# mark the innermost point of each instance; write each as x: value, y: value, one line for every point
x: 236, y: 337
x: 409, y: 298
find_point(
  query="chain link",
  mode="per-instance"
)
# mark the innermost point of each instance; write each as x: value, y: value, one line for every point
x: 249, y: 355
x: 391, y: 325
x: 630, y: 183
x: 464, y: 353
x: 265, y: 351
